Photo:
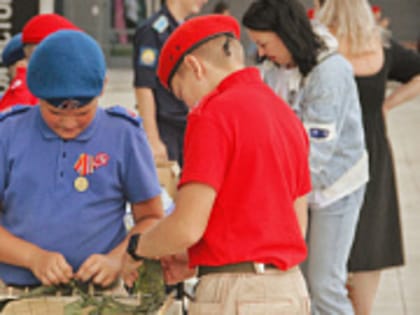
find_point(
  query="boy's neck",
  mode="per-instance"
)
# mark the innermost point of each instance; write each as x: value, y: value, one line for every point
x: 177, y: 11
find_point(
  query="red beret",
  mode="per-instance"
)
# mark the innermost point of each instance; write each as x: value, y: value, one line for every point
x: 42, y: 25
x: 190, y: 35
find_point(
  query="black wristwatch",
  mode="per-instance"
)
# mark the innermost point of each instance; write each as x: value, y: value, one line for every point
x: 132, y: 247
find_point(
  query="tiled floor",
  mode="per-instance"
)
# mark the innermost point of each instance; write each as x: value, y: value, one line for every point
x: 399, y: 291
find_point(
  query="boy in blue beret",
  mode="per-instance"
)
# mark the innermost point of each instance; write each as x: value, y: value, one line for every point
x: 67, y: 169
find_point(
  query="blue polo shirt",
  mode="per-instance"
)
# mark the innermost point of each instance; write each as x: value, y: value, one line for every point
x: 40, y: 202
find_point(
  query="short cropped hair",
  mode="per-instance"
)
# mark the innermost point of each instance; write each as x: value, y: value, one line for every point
x: 220, y: 7
x: 220, y: 51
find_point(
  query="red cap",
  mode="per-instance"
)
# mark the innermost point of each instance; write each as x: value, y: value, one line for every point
x: 376, y: 9
x: 311, y: 13
x: 42, y: 25
x: 188, y: 36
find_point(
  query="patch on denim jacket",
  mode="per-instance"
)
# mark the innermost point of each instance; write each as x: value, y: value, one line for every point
x: 321, y: 132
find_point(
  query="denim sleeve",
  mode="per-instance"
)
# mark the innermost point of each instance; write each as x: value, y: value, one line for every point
x: 323, y: 113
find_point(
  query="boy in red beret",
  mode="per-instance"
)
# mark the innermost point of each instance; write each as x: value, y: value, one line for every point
x: 40, y: 26
x: 241, y: 205
x: 34, y: 31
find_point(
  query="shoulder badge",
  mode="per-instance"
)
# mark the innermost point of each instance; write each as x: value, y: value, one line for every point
x: 11, y: 111
x: 123, y: 112
x: 320, y: 132
x: 148, y: 56
x: 161, y: 24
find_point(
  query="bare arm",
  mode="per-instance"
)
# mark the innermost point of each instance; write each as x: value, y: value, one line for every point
x: 184, y: 227
x: 147, y: 110
x: 301, y: 208
x: 403, y: 94
x: 48, y: 267
x: 174, y: 234
x: 145, y: 215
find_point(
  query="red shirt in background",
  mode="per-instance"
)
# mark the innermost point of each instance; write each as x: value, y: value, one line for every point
x: 18, y: 92
x: 247, y: 144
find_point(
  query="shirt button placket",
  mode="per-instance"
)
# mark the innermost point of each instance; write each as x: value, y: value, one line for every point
x: 62, y: 161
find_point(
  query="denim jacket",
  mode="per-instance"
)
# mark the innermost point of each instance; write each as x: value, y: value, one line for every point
x: 327, y: 103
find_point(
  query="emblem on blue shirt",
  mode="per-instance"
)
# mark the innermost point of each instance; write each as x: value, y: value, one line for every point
x: 161, y: 24
x: 148, y: 56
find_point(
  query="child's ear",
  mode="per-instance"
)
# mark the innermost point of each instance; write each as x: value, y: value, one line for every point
x: 195, y: 65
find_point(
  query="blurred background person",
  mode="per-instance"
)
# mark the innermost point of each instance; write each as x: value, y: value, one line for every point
x: 376, y: 59
x: 164, y: 116
x: 221, y: 7
x: 34, y: 31
x: 13, y: 57
x: 381, y: 20
x: 40, y: 26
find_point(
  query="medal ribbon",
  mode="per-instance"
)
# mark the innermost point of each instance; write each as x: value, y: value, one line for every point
x: 87, y: 164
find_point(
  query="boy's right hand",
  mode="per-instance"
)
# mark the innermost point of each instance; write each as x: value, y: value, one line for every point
x: 51, y: 268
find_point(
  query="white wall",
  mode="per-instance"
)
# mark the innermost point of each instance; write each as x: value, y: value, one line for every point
x: 46, y: 6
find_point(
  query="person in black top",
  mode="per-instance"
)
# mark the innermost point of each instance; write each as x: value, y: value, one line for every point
x: 376, y: 59
x: 164, y: 116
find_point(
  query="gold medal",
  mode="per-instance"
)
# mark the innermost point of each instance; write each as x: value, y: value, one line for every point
x: 81, y: 184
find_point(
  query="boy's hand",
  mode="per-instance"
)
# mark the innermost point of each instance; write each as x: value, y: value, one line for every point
x: 102, y: 270
x: 51, y: 268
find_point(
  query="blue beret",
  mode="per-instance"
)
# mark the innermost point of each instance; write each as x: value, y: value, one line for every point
x: 67, y: 69
x: 13, y: 51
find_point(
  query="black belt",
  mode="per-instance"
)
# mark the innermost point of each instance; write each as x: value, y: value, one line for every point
x: 244, y: 267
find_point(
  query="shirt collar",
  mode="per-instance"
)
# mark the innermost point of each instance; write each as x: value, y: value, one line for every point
x: 86, y: 134
x: 248, y: 74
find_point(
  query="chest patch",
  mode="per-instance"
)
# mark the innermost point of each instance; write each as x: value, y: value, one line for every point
x: 148, y: 56
x: 161, y: 24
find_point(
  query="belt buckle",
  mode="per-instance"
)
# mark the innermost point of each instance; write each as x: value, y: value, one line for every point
x: 259, y: 268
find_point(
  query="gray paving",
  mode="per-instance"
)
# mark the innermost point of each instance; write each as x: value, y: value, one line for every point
x: 399, y: 291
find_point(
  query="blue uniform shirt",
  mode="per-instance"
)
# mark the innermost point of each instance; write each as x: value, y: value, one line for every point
x: 171, y: 112
x: 40, y: 202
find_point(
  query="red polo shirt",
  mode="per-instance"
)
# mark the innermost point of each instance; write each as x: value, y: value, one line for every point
x: 18, y: 93
x: 251, y: 148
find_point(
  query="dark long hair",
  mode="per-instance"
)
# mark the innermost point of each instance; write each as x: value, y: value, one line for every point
x: 288, y: 19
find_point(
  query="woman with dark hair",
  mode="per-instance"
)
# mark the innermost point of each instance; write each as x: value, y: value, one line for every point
x: 324, y: 95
